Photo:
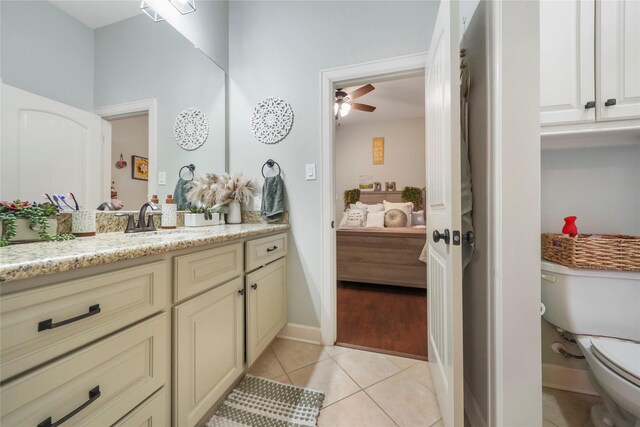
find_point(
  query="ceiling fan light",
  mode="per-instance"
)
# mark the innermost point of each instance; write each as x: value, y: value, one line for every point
x: 150, y: 11
x: 184, y: 6
x: 344, y: 109
x: 336, y: 108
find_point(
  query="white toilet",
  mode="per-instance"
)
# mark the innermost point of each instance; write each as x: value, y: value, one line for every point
x: 602, y: 309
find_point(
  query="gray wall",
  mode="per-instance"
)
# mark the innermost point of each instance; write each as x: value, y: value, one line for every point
x: 45, y: 51
x: 279, y: 49
x: 138, y: 59
x: 476, y: 276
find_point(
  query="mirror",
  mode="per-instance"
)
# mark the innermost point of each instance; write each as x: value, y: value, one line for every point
x: 91, y: 91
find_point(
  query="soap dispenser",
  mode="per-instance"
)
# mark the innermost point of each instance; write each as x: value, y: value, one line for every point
x: 169, y: 213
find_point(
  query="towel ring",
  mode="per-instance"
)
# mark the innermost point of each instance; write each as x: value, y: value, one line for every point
x: 271, y: 163
x: 191, y: 168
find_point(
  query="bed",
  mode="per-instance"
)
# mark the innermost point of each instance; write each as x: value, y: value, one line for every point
x: 385, y: 256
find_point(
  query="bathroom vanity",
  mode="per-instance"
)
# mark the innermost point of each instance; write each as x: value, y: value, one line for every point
x: 133, y: 329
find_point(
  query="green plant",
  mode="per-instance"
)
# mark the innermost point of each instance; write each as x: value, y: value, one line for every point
x: 414, y: 195
x: 350, y: 197
x: 37, y: 216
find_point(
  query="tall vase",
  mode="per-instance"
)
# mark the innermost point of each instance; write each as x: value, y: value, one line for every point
x: 235, y: 213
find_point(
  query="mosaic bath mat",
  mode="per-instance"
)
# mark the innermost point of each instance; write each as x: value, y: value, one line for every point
x: 258, y: 402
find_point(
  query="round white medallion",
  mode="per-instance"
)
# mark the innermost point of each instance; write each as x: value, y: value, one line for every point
x: 272, y: 120
x: 191, y: 129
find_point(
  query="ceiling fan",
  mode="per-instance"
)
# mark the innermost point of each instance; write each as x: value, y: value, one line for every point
x: 344, y: 101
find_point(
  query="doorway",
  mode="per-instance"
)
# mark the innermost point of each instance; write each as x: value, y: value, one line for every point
x: 380, y: 175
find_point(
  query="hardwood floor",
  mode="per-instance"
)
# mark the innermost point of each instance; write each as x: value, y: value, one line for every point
x: 388, y: 319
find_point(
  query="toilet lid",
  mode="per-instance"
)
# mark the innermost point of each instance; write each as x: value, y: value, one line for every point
x: 621, y: 356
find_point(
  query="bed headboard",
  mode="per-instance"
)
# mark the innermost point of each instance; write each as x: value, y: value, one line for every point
x: 373, y: 197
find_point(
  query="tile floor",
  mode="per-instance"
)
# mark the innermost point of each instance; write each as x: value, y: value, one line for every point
x: 566, y: 409
x: 361, y: 388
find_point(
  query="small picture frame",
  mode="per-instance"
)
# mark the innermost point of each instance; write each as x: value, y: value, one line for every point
x: 139, y: 168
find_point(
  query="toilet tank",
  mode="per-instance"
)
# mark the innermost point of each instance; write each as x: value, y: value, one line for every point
x: 592, y: 302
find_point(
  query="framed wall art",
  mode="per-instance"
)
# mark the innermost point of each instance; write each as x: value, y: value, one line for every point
x: 378, y: 151
x: 139, y: 168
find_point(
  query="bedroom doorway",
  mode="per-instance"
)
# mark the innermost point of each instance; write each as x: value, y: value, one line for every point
x: 379, y: 146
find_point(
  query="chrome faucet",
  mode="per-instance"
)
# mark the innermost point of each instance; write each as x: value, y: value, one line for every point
x: 141, y: 226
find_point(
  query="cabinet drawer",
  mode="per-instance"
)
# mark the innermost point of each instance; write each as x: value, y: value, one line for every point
x: 100, y: 383
x: 203, y: 270
x: 263, y: 251
x: 153, y: 412
x: 93, y: 307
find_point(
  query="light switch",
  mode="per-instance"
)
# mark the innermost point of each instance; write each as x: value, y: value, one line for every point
x: 310, y: 171
x: 257, y: 203
x: 162, y: 178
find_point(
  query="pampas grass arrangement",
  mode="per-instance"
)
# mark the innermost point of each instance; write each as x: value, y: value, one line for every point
x: 214, y: 190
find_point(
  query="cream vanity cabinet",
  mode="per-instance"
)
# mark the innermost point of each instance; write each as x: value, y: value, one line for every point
x: 266, y: 284
x: 589, y: 61
x: 86, y: 351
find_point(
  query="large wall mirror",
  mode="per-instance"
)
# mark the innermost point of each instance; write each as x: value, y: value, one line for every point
x: 91, y: 91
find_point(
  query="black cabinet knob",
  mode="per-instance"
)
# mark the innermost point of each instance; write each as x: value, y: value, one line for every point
x: 254, y: 286
x: 610, y: 102
x: 590, y: 104
x: 444, y: 236
x: 241, y: 291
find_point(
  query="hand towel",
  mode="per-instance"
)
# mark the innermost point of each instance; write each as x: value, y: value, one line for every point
x: 272, y: 208
x: 180, y: 194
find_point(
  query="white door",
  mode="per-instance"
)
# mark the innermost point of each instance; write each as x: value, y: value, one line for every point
x: 567, y: 68
x: 444, y: 255
x: 618, y: 38
x: 49, y: 147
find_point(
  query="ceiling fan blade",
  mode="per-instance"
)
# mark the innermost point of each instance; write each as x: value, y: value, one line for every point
x: 360, y: 92
x: 363, y: 107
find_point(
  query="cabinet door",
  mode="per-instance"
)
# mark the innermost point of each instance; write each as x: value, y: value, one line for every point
x: 266, y: 306
x: 618, y: 37
x: 208, y: 350
x: 567, y: 82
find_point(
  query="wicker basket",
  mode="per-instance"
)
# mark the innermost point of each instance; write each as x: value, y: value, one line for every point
x: 594, y: 251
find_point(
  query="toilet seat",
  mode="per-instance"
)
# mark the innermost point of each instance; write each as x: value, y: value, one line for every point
x: 621, y: 356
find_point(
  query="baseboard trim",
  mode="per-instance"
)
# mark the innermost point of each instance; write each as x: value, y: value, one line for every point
x: 568, y: 379
x: 472, y: 409
x: 302, y: 333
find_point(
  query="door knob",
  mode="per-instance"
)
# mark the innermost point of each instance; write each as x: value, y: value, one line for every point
x: 469, y: 237
x: 444, y: 236
x: 610, y: 102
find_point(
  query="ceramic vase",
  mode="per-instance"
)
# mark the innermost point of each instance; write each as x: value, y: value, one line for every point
x: 83, y: 223
x: 570, y: 226
x: 235, y: 213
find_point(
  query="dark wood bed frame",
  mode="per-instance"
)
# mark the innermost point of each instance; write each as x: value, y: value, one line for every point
x: 385, y: 256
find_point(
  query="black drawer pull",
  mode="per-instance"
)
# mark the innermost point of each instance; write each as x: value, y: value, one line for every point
x: 610, y: 102
x: 94, y: 393
x: 48, y: 324
x: 590, y: 104
x: 272, y: 249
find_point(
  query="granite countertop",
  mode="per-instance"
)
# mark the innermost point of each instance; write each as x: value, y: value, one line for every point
x: 38, y: 259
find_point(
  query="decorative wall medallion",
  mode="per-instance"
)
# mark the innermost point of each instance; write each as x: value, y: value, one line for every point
x: 272, y: 120
x: 191, y: 129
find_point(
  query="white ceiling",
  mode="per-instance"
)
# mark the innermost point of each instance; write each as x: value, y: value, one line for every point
x: 394, y: 100
x: 98, y: 13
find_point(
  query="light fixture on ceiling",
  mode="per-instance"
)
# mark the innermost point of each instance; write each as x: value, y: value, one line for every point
x: 150, y: 11
x: 184, y: 6
x: 341, y: 107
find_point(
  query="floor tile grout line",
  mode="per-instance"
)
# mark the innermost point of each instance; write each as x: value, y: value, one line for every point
x: 279, y: 362
x: 393, y: 420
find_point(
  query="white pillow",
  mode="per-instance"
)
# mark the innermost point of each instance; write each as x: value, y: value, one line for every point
x: 353, y: 218
x: 378, y: 207
x: 407, y: 208
x: 375, y: 219
x: 417, y: 218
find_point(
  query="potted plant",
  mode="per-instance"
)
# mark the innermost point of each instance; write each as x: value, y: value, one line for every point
x: 221, y: 194
x: 350, y: 197
x: 414, y: 195
x: 25, y: 222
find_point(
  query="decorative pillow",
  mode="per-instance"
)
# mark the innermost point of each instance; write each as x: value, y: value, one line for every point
x: 407, y: 208
x: 353, y: 218
x: 375, y: 219
x: 417, y: 218
x: 395, y: 218
x: 378, y: 207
